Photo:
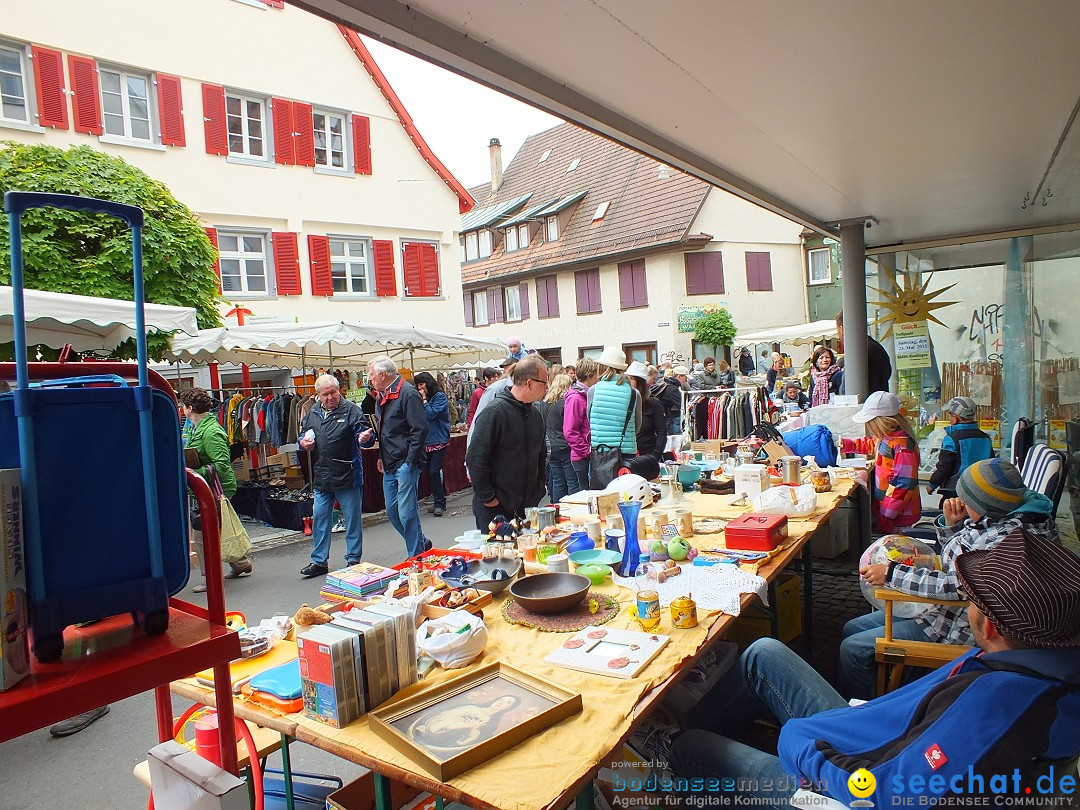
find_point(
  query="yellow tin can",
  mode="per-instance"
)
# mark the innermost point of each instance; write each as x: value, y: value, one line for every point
x: 683, y: 612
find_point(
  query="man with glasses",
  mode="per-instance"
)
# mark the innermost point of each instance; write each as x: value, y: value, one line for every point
x: 507, y: 454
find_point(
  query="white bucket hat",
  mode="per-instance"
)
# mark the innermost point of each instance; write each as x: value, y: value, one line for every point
x: 612, y: 357
x: 879, y: 403
x: 638, y: 369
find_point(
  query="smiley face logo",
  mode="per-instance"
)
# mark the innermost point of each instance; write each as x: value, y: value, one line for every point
x: 861, y: 783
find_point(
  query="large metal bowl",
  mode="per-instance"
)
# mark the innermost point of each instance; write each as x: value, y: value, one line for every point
x: 550, y: 593
x: 479, y: 575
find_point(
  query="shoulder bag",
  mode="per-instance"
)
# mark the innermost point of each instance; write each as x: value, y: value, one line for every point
x: 605, y: 461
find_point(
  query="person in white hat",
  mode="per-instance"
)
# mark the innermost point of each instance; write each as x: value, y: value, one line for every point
x: 614, y: 412
x: 894, y: 490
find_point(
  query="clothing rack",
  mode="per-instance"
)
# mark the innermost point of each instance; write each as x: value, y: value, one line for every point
x: 735, y: 427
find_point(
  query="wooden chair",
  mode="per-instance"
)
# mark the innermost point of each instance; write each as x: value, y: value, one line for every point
x: 894, y: 655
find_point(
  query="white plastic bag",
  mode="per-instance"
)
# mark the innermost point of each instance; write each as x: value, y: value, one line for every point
x: 795, y: 502
x: 454, y: 640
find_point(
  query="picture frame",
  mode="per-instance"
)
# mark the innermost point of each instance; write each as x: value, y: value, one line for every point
x: 465, y: 721
x: 612, y: 653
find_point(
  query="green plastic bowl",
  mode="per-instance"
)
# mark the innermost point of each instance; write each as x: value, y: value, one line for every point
x: 595, y: 556
x: 596, y: 573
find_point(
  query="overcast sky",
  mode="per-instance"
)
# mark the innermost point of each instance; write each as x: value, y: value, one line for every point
x: 456, y: 116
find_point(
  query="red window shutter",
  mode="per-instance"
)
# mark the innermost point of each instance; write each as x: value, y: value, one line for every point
x: 211, y: 234
x: 493, y: 295
x: 468, y: 308
x: 322, y: 282
x: 171, y: 110
x: 85, y: 95
x: 523, y: 295
x: 361, y: 127
x: 284, y: 143
x: 695, y: 273
x: 410, y: 270
x: 213, y: 100
x: 553, y: 297
x: 304, y: 134
x: 758, y: 271
x: 49, y: 81
x: 286, y: 263
x: 542, y: 298
x: 429, y: 270
x: 385, y: 277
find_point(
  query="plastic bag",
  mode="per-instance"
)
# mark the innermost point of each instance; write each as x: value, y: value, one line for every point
x: 794, y: 502
x: 454, y: 640
x: 235, y: 543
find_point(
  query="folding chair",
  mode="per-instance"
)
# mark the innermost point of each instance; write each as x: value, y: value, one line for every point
x: 893, y: 655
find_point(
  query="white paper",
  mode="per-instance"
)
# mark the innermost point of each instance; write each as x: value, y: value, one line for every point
x: 713, y: 587
x: 1068, y: 387
x: 981, y: 389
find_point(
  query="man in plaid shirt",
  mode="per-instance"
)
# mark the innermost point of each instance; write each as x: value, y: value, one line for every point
x: 991, y: 502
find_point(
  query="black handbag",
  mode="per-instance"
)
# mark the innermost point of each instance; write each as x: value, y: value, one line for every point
x: 605, y: 461
x: 215, y: 488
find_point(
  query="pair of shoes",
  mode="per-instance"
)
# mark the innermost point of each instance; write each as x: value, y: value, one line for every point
x: 427, y: 544
x: 314, y: 570
x: 77, y: 723
x: 240, y: 568
x: 437, y: 511
x: 200, y: 588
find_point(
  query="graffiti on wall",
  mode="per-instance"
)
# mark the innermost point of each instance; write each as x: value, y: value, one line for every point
x: 672, y: 357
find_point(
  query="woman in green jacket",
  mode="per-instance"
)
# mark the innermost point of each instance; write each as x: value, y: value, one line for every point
x: 208, y: 438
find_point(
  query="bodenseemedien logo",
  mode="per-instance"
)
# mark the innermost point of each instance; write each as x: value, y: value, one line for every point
x: 862, y: 785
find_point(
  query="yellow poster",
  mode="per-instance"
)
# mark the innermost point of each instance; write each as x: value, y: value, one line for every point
x: 912, y: 341
x: 992, y: 428
x: 1057, y: 434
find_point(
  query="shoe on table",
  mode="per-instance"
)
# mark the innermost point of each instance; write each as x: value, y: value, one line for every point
x: 74, y: 725
x: 314, y: 570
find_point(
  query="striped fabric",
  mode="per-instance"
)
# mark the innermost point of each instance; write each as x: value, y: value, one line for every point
x: 1044, y: 471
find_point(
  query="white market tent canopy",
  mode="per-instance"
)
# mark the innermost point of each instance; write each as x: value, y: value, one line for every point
x: 330, y: 343
x: 87, y: 323
x: 798, y: 334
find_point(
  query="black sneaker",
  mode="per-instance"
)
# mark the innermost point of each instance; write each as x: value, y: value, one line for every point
x: 427, y: 544
x: 437, y: 511
x: 314, y: 570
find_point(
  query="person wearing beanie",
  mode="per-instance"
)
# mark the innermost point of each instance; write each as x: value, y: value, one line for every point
x: 963, y: 445
x: 991, y: 502
x: 515, y: 349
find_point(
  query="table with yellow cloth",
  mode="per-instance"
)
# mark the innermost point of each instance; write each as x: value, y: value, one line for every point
x: 550, y: 768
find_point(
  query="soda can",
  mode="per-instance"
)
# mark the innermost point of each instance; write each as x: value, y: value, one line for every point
x: 648, y: 609
x: 683, y: 612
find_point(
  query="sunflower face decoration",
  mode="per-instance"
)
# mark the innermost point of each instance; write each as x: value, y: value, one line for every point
x: 909, y: 303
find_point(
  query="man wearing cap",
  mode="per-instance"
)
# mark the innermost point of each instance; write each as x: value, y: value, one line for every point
x: 1009, y: 709
x: 991, y: 502
x: 963, y: 445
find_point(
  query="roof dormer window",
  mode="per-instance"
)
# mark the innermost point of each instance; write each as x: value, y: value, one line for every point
x: 517, y: 237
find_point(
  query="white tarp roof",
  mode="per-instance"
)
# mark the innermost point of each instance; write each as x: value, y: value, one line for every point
x: 799, y: 334
x: 343, y: 342
x: 87, y: 323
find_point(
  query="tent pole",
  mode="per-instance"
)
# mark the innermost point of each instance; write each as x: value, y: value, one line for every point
x: 330, y: 349
x: 303, y: 369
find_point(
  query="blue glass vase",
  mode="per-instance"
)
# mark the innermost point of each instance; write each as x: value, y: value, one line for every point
x: 631, y: 551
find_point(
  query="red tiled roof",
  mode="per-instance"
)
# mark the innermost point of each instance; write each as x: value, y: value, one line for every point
x: 465, y: 200
x: 645, y: 211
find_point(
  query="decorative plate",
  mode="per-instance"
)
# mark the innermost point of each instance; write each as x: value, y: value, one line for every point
x: 596, y: 609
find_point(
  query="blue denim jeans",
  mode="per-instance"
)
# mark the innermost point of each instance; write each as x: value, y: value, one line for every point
x: 562, y: 479
x: 399, y: 492
x: 351, y: 502
x: 674, y: 425
x: 858, y: 668
x: 581, y: 475
x: 768, y: 676
x: 435, y: 476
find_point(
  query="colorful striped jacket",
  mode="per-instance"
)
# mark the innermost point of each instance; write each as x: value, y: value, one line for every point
x: 894, y: 495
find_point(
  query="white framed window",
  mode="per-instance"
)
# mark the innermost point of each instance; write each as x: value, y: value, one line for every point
x: 14, y: 81
x: 512, y: 296
x: 126, y: 104
x: 485, y: 243
x: 472, y: 251
x: 551, y: 225
x: 819, y: 263
x: 511, y: 239
x: 245, y: 118
x: 244, y: 262
x: 350, y: 265
x: 331, y: 142
x: 479, y: 304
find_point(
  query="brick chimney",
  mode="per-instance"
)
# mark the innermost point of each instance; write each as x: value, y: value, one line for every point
x: 495, y: 148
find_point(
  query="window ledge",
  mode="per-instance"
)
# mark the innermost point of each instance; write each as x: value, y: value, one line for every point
x: 348, y: 297
x: 8, y: 123
x: 330, y: 170
x: 819, y: 283
x: 253, y: 4
x: 421, y: 297
x: 116, y: 140
x: 636, y: 306
x: 714, y: 292
x: 247, y: 161
x: 253, y: 296
x: 594, y: 312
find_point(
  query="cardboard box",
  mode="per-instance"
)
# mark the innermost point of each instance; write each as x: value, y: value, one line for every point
x: 242, y: 468
x: 286, y: 459
x: 14, y: 640
x: 360, y: 795
x: 714, y: 446
x: 181, y: 778
x: 754, y: 621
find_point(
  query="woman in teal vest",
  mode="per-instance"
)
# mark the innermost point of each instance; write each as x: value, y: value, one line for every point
x: 614, y: 408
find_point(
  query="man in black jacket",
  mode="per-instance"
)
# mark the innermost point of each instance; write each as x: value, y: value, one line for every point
x: 402, y: 425
x: 506, y: 457
x: 330, y: 432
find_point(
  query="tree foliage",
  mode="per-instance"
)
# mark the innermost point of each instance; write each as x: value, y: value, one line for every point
x: 715, y: 328
x: 90, y: 254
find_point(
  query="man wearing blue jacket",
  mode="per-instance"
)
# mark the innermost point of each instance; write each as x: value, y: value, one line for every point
x: 1003, y: 719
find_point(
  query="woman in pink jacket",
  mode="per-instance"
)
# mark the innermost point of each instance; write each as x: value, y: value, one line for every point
x: 576, y: 420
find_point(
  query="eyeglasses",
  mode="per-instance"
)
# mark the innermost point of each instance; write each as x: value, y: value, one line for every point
x: 542, y: 382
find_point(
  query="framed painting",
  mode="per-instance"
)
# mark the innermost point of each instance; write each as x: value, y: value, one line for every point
x: 458, y: 724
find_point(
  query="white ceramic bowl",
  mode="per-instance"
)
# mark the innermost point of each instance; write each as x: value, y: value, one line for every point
x: 469, y: 543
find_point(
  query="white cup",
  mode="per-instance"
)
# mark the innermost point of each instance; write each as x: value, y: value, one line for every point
x: 592, y: 528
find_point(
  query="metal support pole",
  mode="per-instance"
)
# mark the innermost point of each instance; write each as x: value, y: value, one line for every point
x: 853, y: 266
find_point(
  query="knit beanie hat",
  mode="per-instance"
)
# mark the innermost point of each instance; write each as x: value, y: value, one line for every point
x: 992, y: 487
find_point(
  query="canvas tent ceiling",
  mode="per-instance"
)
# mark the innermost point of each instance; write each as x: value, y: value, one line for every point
x: 798, y: 335
x: 87, y: 323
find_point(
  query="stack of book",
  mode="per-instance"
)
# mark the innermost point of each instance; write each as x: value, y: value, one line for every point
x: 357, y: 581
x: 329, y: 676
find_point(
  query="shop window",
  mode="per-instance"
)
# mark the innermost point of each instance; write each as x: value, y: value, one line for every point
x: 705, y: 273
x: 551, y: 356
x: 587, y: 285
x: 819, y: 264
x: 14, y: 79
x: 244, y: 264
x: 591, y: 351
x: 350, y: 265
